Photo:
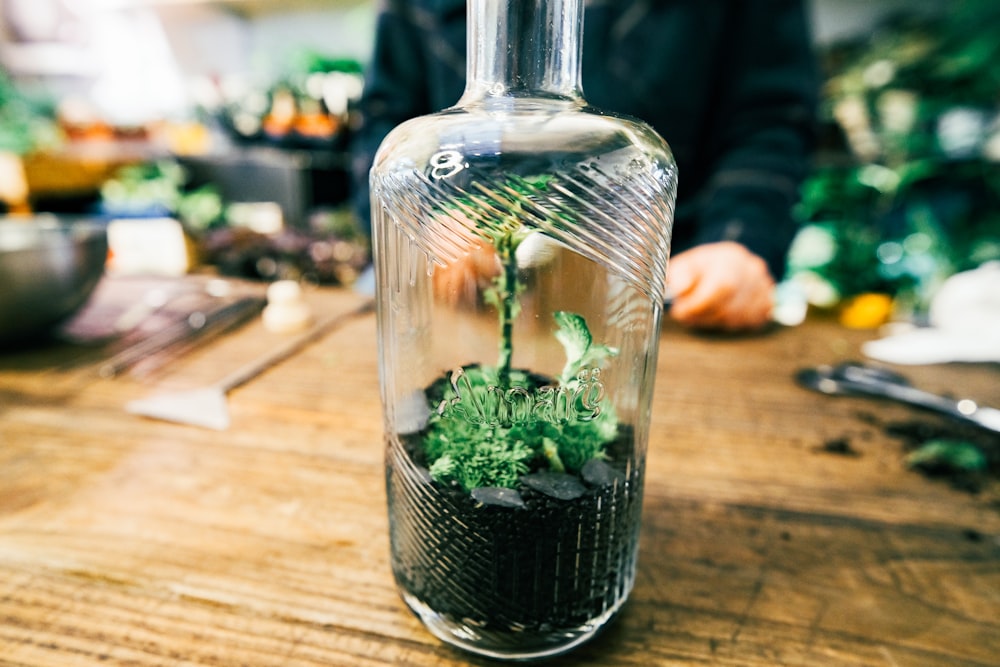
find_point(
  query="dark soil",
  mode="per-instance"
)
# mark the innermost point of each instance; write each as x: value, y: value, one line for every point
x: 546, y: 565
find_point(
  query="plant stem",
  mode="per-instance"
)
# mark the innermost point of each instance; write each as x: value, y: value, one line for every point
x: 506, y: 302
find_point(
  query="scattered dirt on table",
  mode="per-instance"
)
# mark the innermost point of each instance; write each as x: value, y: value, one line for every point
x: 917, y: 432
x: 841, y: 446
x: 914, y: 434
x: 868, y: 418
x: 972, y: 535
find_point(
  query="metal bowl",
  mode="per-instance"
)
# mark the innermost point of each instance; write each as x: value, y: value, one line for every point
x: 48, y: 269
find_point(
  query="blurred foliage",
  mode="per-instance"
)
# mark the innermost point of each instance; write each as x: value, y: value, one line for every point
x: 27, y: 122
x: 910, y: 193
x: 331, y: 250
x: 310, y: 61
x: 161, y: 188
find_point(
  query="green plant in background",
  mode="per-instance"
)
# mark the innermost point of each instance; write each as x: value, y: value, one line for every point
x: 492, y: 424
x: 161, y: 187
x: 918, y: 197
x: 310, y: 61
x: 27, y: 122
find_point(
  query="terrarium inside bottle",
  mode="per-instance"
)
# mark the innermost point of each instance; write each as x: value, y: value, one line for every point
x: 521, y: 241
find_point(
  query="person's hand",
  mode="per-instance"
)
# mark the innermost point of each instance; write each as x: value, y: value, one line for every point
x: 720, y: 286
x: 461, y: 282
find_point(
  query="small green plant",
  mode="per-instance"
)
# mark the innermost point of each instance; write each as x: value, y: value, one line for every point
x: 490, y: 425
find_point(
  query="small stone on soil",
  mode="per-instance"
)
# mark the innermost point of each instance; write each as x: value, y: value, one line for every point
x: 497, y: 497
x: 598, y: 472
x: 555, y: 484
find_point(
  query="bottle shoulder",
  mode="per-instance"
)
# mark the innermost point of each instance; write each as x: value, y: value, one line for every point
x: 599, y: 184
x: 521, y: 130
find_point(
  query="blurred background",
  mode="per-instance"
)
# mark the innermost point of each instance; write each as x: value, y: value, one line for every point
x: 232, y: 121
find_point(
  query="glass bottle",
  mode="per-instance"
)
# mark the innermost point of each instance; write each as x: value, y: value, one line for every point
x: 521, y: 241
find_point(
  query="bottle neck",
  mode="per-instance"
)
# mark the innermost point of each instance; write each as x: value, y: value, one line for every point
x: 524, y: 48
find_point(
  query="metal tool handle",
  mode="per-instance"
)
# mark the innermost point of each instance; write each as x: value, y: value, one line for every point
x: 903, y: 393
x: 860, y: 379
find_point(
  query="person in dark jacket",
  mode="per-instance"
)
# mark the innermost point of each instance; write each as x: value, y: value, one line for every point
x: 730, y: 84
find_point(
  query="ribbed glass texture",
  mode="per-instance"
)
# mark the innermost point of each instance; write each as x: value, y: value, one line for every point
x: 493, y: 220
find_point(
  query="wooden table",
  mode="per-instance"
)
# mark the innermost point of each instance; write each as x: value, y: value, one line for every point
x: 128, y: 541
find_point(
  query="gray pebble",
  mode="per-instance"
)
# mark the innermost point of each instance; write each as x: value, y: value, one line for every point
x: 555, y: 484
x: 497, y: 497
x: 598, y: 472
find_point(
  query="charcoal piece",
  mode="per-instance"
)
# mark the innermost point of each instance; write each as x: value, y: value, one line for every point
x: 557, y: 485
x: 498, y: 497
x: 598, y: 472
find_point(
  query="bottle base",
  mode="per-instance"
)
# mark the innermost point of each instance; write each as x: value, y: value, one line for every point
x: 511, y: 645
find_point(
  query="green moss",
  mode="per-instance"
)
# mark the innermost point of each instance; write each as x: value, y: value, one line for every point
x: 482, y: 433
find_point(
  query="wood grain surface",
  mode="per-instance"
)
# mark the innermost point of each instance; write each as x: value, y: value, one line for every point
x: 128, y: 541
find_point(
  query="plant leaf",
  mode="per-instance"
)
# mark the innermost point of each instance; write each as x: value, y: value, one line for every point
x: 947, y: 456
x: 576, y: 339
x: 574, y: 335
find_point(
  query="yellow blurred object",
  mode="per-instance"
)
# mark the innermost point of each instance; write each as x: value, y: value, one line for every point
x: 13, y: 182
x: 80, y: 168
x: 866, y: 311
x: 190, y: 138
